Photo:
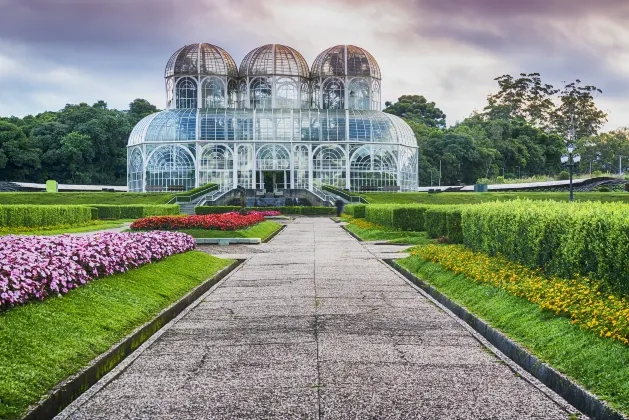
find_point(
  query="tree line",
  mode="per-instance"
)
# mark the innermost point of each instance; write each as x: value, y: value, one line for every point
x: 522, y: 131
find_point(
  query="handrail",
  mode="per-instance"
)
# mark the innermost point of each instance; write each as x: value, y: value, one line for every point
x: 215, y: 195
x: 325, y: 197
x: 192, y: 197
x: 349, y: 197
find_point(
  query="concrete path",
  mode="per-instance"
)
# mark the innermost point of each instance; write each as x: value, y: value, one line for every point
x: 313, y: 325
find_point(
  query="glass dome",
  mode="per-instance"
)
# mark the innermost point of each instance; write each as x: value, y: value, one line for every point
x: 201, y: 59
x: 274, y: 59
x: 345, y: 60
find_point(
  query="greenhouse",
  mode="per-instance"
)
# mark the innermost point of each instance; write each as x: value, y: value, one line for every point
x: 272, y: 124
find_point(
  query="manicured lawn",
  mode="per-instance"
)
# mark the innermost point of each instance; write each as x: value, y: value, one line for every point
x: 84, y: 198
x: 262, y: 230
x: 371, y: 232
x: 600, y: 365
x: 58, y: 230
x: 475, y: 198
x: 43, y: 343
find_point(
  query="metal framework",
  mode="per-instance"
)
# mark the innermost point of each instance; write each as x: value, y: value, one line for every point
x: 229, y: 126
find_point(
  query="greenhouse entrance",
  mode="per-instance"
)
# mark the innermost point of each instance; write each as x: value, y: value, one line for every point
x: 271, y: 181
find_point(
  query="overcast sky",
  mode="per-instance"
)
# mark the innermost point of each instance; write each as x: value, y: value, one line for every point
x: 54, y: 52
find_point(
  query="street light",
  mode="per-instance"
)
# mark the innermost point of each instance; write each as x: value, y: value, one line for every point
x: 571, y: 160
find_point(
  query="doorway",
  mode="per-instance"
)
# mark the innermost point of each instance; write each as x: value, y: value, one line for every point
x: 271, y: 181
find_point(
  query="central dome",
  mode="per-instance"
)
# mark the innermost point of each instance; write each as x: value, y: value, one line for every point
x: 274, y: 59
x: 201, y: 59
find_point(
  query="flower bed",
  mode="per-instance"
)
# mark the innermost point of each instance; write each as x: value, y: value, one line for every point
x: 227, y: 221
x: 582, y: 300
x: 34, y: 267
x: 266, y: 213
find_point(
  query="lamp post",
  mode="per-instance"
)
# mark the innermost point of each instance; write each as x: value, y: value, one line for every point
x: 571, y: 160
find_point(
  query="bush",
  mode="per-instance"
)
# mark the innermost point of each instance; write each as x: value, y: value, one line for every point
x: 565, y: 239
x: 500, y: 180
x: 563, y: 176
x: 403, y: 217
x: 602, y: 188
x: 441, y: 221
x: 291, y: 210
x: 357, y: 210
x: 37, y: 216
x: 106, y: 211
x: 597, y: 173
x: 483, y: 181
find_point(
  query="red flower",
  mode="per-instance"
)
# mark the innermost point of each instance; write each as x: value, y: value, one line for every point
x: 227, y: 221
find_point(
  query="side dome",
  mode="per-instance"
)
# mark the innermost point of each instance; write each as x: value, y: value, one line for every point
x: 201, y: 59
x: 345, y: 60
x: 272, y: 60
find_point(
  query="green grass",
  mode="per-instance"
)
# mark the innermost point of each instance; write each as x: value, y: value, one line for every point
x: 600, y: 365
x: 475, y: 198
x: 43, y: 343
x: 60, y: 229
x: 84, y: 198
x: 391, y: 235
x: 262, y: 230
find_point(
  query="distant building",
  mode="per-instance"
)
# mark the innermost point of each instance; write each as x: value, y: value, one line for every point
x: 272, y: 124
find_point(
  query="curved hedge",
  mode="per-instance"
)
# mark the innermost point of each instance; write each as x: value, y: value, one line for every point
x: 107, y: 211
x: 404, y: 217
x: 36, y: 216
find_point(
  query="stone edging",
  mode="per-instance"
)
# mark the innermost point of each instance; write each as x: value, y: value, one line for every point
x: 352, y: 234
x: 577, y: 396
x: 68, y: 390
x: 274, y: 234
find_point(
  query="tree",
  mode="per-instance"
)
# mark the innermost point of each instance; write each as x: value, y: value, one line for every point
x: 417, y: 109
x: 577, y: 115
x: 18, y: 158
x: 77, y: 151
x: 139, y: 109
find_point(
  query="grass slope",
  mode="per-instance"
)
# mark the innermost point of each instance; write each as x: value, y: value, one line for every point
x: 84, y: 198
x: 600, y: 365
x: 393, y: 236
x: 261, y: 230
x: 61, y: 229
x: 43, y: 343
x: 475, y: 198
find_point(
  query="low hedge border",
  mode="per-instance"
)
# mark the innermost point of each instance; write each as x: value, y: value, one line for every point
x: 293, y: 210
x: 356, y: 210
x: 445, y: 221
x: 109, y: 211
x: 43, y: 215
x: 572, y: 392
x: 403, y: 217
x: 71, y: 389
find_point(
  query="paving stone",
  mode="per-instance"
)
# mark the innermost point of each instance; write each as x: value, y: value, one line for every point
x: 314, y: 325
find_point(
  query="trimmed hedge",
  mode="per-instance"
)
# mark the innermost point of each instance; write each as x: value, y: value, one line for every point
x: 294, y: 210
x: 403, y: 217
x: 565, y: 239
x: 106, y: 211
x: 444, y: 221
x: 36, y: 216
x: 356, y: 210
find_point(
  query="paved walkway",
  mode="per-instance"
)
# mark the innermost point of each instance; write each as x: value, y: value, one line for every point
x: 313, y: 325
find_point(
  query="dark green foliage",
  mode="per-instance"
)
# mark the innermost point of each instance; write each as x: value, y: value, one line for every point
x: 563, y: 176
x: 296, y: 210
x: 201, y: 189
x: 403, y: 217
x: 68, y: 332
x: 107, y: 211
x: 356, y: 210
x: 441, y: 221
x: 475, y: 198
x: 37, y: 216
x: 564, y: 239
x: 417, y: 109
x: 84, y: 198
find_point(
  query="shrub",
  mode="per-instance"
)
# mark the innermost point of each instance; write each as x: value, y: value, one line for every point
x: 34, y: 267
x: 37, y: 216
x: 403, y: 217
x: 106, y: 211
x: 597, y: 173
x: 563, y: 176
x: 565, y: 239
x: 602, y: 188
x: 445, y: 221
x: 500, y: 180
x: 482, y: 181
x: 357, y: 210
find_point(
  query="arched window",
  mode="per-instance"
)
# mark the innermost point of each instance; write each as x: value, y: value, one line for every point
x: 170, y: 166
x: 301, y: 165
x: 186, y: 93
x: 373, y: 167
x: 170, y: 91
x: 135, y: 171
x: 359, y: 94
x: 329, y: 166
x: 287, y: 95
x: 217, y: 164
x: 260, y: 93
x: 333, y: 94
x: 232, y: 94
x: 213, y: 93
x: 306, y: 98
